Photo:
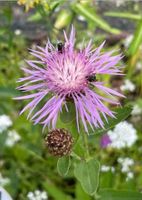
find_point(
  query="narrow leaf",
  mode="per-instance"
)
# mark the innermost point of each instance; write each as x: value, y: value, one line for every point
x: 92, y: 16
x: 123, y: 15
x: 137, y: 40
x: 63, y: 19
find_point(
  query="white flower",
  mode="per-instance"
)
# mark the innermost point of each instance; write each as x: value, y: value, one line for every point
x: 105, y: 168
x: 17, y: 32
x: 81, y: 18
x: 5, y: 122
x: 128, y: 86
x: 37, y: 195
x: 4, y: 181
x: 12, y: 138
x: 126, y: 163
x: 139, y: 66
x: 119, y: 3
x: 137, y: 110
x: 123, y: 135
x: 130, y: 175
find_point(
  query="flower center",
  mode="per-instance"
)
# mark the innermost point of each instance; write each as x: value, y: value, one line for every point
x: 68, y: 74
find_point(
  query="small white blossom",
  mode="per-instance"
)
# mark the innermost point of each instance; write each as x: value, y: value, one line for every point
x: 139, y: 66
x: 4, y: 181
x: 81, y: 18
x: 5, y: 122
x: 105, y: 168
x: 137, y: 110
x: 12, y: 138
x: 17, y: 32
x: 123, y: 135
x: 126, y: 163
x: 37, y: 195
x: 128, y: 86
x: 130, y: 175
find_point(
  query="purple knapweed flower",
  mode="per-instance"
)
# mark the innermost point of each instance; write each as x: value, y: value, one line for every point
x: 62, y: 73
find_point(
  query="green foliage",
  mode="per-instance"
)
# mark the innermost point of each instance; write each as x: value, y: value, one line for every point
x: 90, y: 15
x: 126, y: 15
x: 120, y: 115
x: 27, y: 163
x: 119, y: 195
x: 64, y: 18
x: 63, y: 165
x: 137, y: 40
x: 80, y: 194
x: 87, y: 172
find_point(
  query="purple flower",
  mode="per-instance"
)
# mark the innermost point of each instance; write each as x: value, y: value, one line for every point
x: 62, y: 73
x: 105, y: 141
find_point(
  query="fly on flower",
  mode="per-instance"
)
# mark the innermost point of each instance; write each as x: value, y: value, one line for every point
x: 91, y: 78
x: 60, y: 47
x: 67, y: 76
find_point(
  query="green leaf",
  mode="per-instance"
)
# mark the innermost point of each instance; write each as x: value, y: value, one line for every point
x: 63, y: 19
x: 87, y: 173
x: 63, y: 165
x: 55, y: 192
x: 120, y: 114
x: 8, y: 92
x: 54, y: 4
x: 35, y: 17
x: 137, y: 40
x: 80, y: 194
x: 108, y: 194
x: 83, y: 10
x: 123, y: 15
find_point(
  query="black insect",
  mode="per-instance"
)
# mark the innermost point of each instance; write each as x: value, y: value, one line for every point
x: 91, y: 78
x: 60, y: 47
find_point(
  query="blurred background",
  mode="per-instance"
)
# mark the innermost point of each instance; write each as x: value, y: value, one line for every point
x: 27, y: 171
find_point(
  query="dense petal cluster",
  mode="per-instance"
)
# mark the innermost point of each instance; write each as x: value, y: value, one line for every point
x: 67, y: 73
x: 5, y: 122
x: 4, y: 181
x: 126, y: 165
x: 37, y: 195
x: 12, y: 138
x: 123, y: 135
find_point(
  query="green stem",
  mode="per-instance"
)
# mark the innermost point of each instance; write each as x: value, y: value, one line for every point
x: 96, y: 196
x: 74, y: 155
x: 85, y: 140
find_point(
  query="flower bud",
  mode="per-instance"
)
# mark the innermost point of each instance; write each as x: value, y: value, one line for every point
x: 59, y: 142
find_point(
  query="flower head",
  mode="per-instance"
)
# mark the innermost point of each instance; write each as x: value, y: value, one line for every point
x: 62, y: 73
x: 59, y: 142
x: 37, y: 195
x: 5, y: 122
x: 12, y: 138
x: 123, y: 135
